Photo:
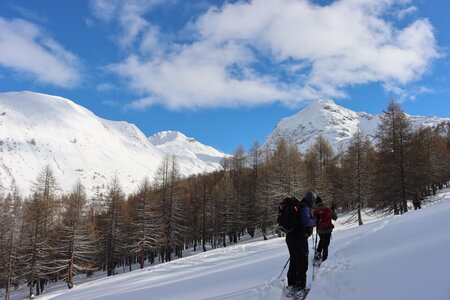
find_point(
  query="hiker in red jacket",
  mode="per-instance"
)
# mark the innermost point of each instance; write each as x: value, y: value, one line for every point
x: 324, y: 228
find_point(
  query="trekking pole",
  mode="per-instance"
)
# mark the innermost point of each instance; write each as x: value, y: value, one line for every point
x: 284, y: 268
x: 315, y: 245
x: 314, y: 255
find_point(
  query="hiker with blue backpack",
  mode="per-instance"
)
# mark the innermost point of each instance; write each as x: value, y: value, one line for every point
x: 295, y: 219
x: 324, y: 229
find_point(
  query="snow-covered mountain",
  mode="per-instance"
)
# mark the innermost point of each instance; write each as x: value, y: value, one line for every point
x: 335, y: 123
x: 188, y: 150
x: 38, y: 129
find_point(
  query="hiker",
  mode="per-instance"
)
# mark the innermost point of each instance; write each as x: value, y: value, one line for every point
x: 324, y: 228
x: 417, y: 202
x: 297, y: 243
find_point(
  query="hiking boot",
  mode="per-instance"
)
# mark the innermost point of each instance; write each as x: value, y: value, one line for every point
x: 300, y: 294
x: 317, y: 256
x: 291, y: 291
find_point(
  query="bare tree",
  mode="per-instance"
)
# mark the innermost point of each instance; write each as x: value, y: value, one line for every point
x: 394, y: 134
x: 77, y: 245
x: 10, y: 216
x: 38, y: 250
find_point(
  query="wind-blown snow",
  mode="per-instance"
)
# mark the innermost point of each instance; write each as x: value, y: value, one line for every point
x: 399, y: 257
x: 38, y: 129
x: 335, y: 123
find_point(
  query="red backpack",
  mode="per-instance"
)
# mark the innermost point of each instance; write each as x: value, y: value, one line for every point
x: 324, y: 215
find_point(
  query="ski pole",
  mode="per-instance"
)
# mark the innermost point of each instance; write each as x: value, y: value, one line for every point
x: 315, y: 245
x: 284, y: 268
x: 315, y: 249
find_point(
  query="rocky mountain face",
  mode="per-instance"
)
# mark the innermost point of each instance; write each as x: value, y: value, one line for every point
x: 38, y: 130
x: 335, y: 123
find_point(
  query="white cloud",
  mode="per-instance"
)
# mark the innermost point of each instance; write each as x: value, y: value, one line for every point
x: 104, y: 87
x: 321, y: 49
x: 28, y: 50
x: 195, y: 75
x: 129, y: 14
x: 407, y: 11
x: 29, y: 15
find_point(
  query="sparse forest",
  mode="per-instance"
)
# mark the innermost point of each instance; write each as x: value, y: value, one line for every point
x: 53, y: 236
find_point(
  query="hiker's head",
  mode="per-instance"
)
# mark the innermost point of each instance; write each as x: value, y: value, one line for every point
x: 310, y: 198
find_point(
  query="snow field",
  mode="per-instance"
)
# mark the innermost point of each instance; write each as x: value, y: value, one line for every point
x: 398, y: 257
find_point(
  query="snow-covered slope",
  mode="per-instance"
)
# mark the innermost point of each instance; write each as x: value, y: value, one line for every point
x: 187, y: 150
x: 335, y: 123
x: 38, y: 129
x: 398, y: 257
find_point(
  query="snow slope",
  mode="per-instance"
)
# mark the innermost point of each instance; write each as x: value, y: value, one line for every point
x: 399, y: 257
x: 335, y: 123
x: 38, y: 129
x: 188, y: 150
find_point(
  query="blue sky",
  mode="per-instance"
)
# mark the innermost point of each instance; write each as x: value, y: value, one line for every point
x: 226, y: 72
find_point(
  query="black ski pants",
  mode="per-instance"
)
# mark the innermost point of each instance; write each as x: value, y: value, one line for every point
x: 297, y: 244
x: 324, y: 242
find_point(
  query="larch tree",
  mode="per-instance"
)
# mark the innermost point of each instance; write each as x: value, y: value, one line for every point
x: 110, y: 227
x: 325, y: 163
x: 255, y: 161
x: 267, y: 206
x: 171, y: 206
x: 76, y: 242
x: 40, y: 218
x: 10, y: 221
x: 358, y: 173
x: 145, y: 234
x: 394, y: 136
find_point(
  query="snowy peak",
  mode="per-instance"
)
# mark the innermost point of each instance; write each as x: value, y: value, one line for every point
x: 335, y: 123
x: 183, y: 147
x: 38, y: 130
x: 168, y: 136
x: 320, y: 114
